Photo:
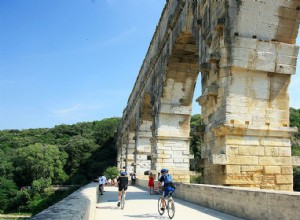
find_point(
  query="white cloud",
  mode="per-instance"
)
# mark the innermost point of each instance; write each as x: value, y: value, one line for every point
x: 76, y: 111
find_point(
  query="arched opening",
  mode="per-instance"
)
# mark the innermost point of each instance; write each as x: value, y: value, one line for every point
x: 173, y: 128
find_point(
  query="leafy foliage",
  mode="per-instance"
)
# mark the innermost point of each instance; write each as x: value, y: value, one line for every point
x: 195, y: 179
x: 8, y: 191
x: 32, y: 159
x: 39, y: 161
x: 111, y: 172
x: 195, y: 143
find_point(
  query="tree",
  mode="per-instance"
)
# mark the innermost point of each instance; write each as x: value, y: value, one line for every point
x: 8, y: 192
x: 195, y: 143
x: 106, y: 129
x: 39, y: 161
x: 111, y: 172
x: 79, y: 149
x: 6, y: 165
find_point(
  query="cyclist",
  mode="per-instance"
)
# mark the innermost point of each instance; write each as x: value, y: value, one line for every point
x: 165, y: 178
x: 122, y: 184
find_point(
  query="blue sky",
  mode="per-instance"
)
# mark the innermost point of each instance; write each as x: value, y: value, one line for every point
x: 69, y: 61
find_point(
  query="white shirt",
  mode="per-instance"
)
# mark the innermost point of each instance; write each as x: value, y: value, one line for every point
x: 102, y: 180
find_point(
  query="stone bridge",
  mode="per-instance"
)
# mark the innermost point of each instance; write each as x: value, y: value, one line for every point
x: 246, y: 53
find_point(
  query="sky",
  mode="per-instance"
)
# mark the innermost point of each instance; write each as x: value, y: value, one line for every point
x: 70, y: 61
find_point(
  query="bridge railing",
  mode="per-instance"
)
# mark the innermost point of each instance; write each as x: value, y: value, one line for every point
x: 248, y: 203
x: 80, y: 205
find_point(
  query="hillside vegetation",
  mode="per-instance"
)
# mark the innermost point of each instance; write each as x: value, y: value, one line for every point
x: 33, y: 159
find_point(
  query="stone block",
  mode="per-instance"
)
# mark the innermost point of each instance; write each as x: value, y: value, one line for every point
x: 237, y: 140
x: 242, y: 160
x: 233, y: 169
x: 284, y: 151
x: 284, y: 179
x: 251, y: 150
x: 271, y: 151
x: 280, y: 142
x: 287, y: 60
x: 287, y: 49
x: 275, y: 161
x: 285, y: 69
x: 288, y: 187
x: 287, y: 170
x: 256, y: 169
x: 272, y: 169
x: 261, y: 65
x: 267, y: 47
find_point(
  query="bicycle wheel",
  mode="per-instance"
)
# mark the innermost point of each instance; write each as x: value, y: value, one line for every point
x: 161, y: 212
x: 122, y: 201
x: 171, y: 208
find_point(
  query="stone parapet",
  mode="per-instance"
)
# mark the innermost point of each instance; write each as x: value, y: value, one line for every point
x: 247, y: 203
x: 80, y: 205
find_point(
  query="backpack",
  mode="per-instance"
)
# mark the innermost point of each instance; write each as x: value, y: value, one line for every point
x: 168, y: 178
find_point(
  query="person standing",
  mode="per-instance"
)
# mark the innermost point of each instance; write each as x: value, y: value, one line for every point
x: 102, y: 182
x: 151, y: 183
x: 133, y: 178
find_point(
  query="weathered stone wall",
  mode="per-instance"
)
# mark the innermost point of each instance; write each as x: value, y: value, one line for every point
x: 246, y: 203
x: 246, y: 53
x: 77, y: 206
x: 247, y: 61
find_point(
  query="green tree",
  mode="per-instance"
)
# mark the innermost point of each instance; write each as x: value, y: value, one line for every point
x: 6, y: 165
x: 39, y: 186
x: 39, y: 161
x: 195, y: 142
x: 79, y: 149
x: 8, y: 192
x: 111, y: 172
x: 106, y: 129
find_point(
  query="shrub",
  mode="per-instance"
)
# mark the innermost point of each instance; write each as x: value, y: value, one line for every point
x: 111, y: 172
x: 195, y: 179
x: 8, y: 191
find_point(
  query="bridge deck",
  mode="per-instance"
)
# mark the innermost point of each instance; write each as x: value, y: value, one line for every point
x: 140, y: 205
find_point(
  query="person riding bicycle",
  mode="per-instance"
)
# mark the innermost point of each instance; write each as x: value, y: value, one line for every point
x: 122, y: 184
x: 169, y: 187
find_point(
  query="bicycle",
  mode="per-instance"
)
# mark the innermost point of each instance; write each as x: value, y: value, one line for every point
x: 123, y: 199
x: 169, y: 205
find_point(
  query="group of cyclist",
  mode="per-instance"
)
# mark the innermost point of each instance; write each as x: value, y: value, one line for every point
x: 168, y: 186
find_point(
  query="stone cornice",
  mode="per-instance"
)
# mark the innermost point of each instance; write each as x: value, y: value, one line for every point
x: 247, y: 130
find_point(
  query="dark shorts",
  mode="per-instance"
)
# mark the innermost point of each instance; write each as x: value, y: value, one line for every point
x: 122, y: 187
x: 167, y: 190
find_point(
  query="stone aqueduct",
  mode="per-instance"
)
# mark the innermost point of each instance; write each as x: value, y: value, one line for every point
x: 245, y: 52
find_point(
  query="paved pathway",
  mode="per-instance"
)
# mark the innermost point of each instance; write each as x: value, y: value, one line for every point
x: 140, y: 205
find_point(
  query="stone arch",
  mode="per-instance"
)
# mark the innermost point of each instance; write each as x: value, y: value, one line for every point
x: 175, y: 106
x: 143, y: 136
x: 246, y: 59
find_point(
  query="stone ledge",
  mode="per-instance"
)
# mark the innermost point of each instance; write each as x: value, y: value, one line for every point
x: 249, y: 130
x: 77, y: 206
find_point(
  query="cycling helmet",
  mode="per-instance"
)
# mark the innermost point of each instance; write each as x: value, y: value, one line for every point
x: 123, y: 173
x: 163, y: 170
